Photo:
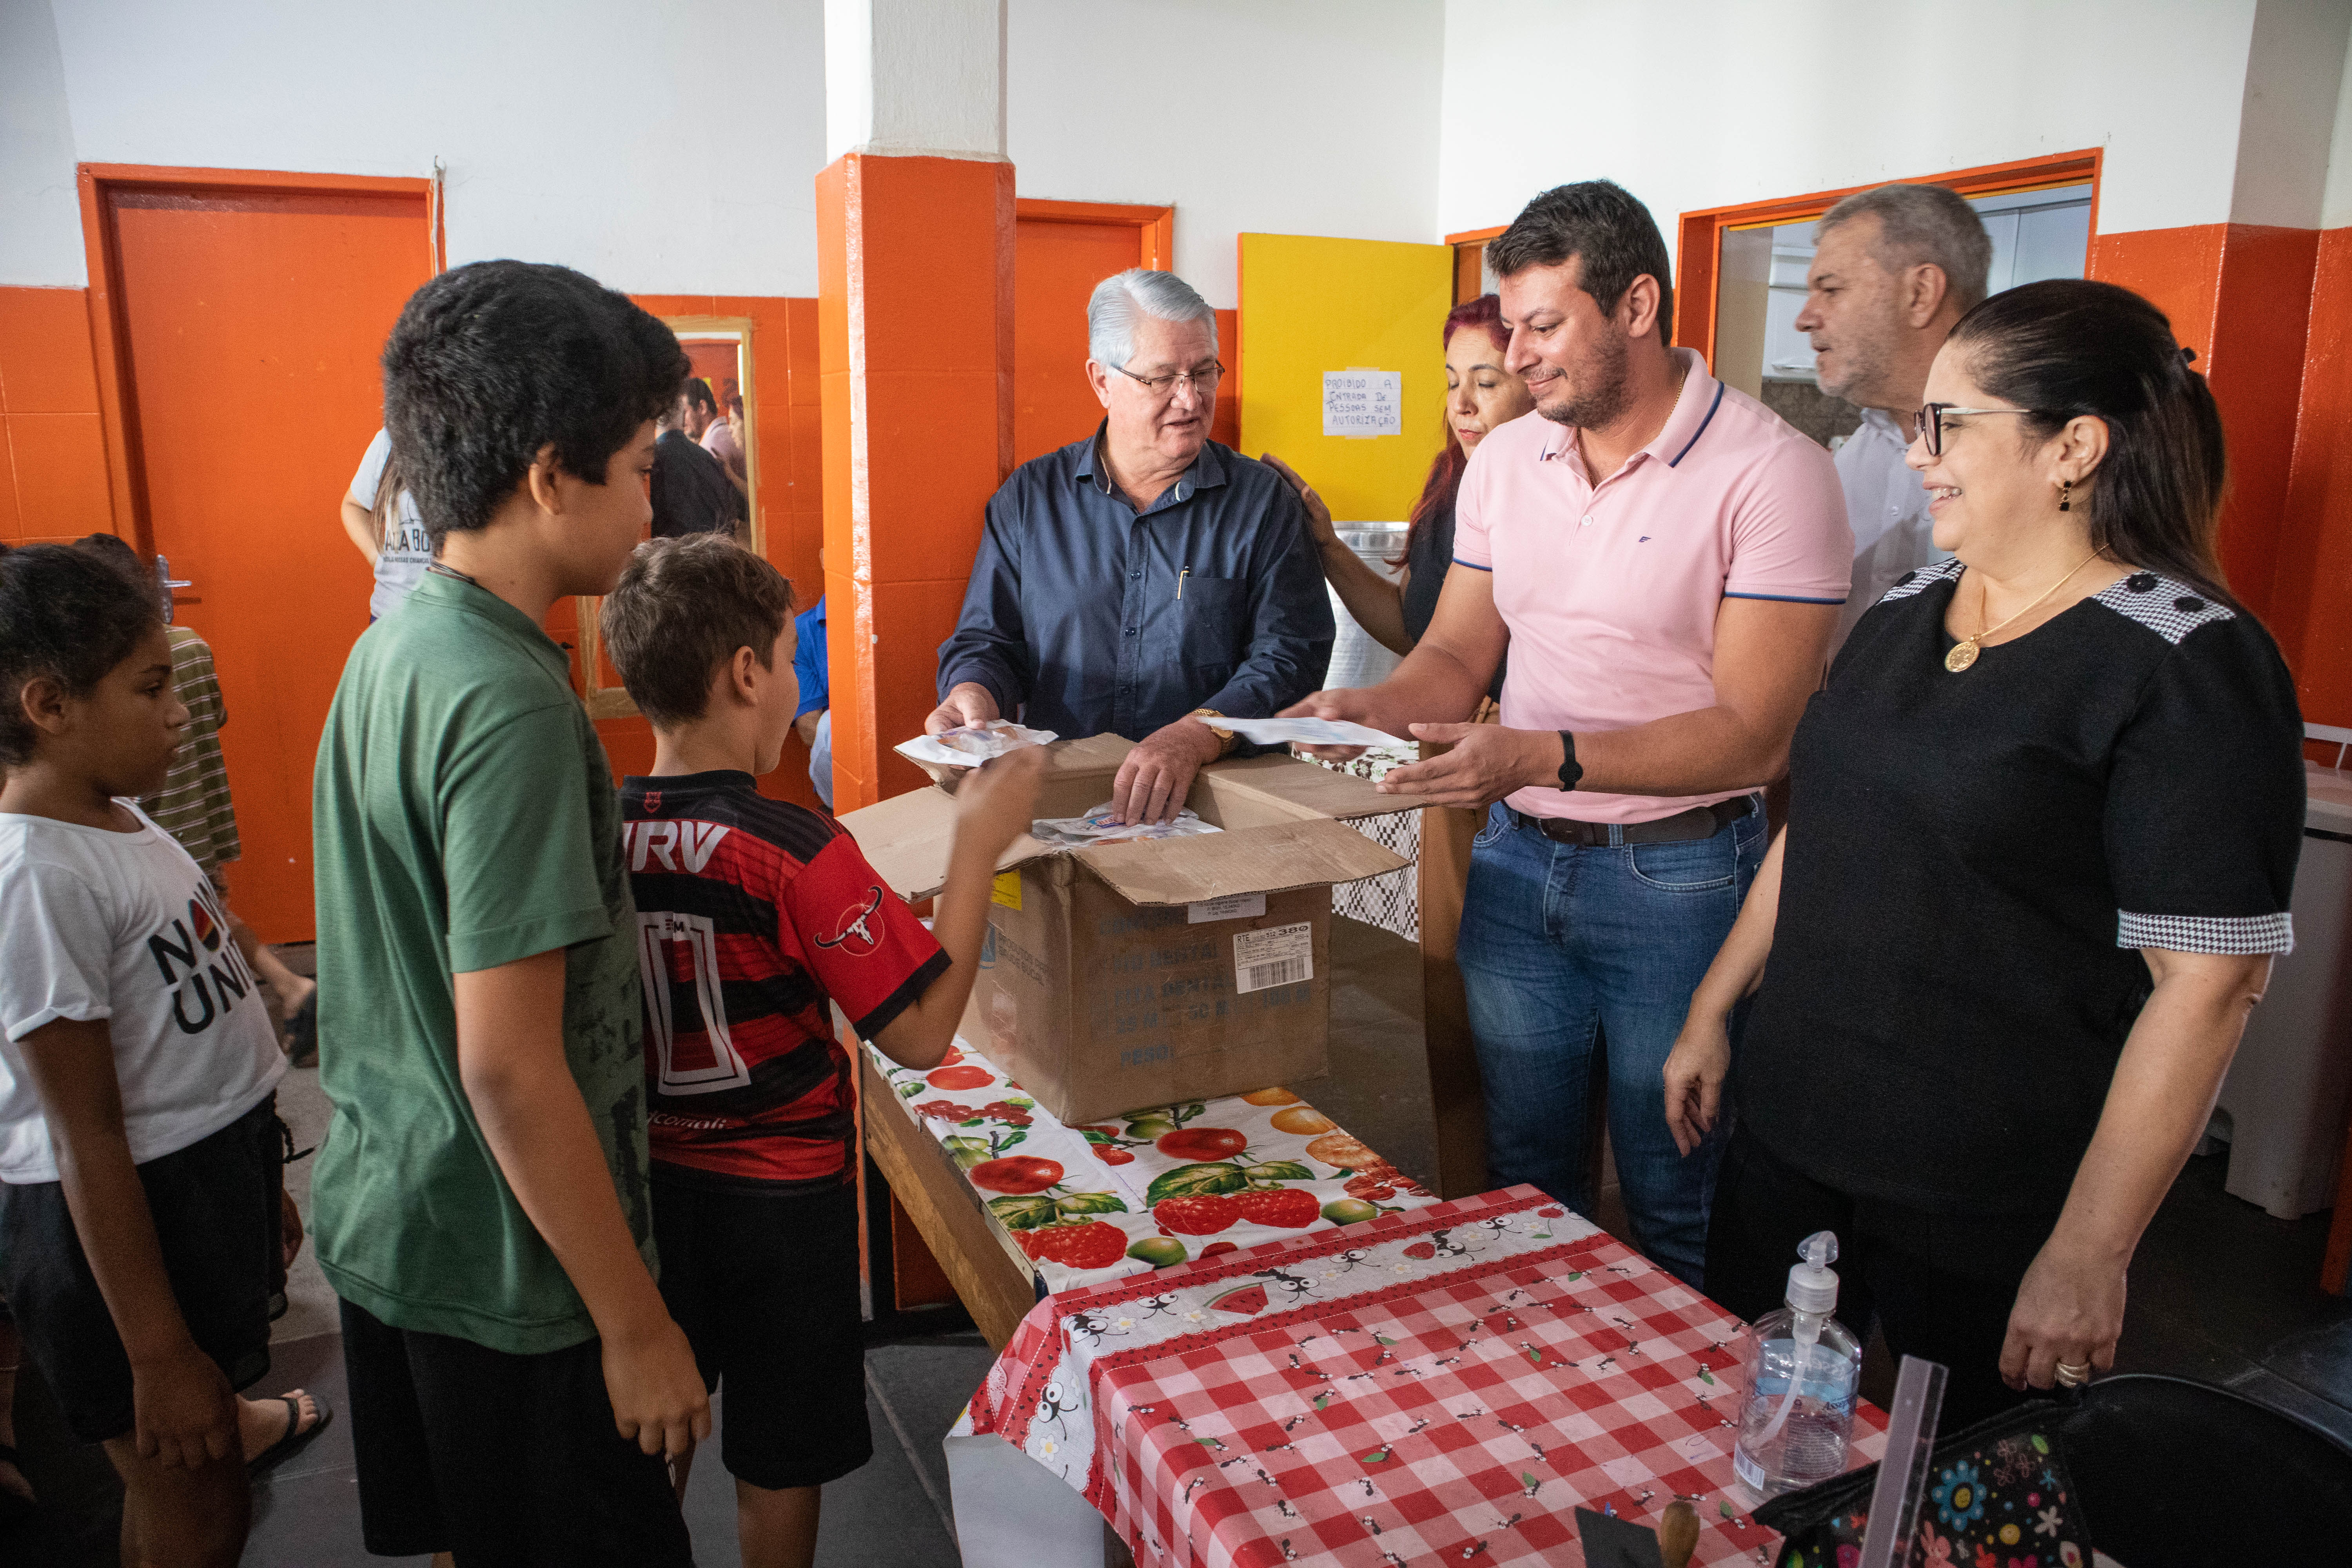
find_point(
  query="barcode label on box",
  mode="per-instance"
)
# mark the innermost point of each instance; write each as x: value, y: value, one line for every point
x: 1278, y: 955
x: 1231, y: 907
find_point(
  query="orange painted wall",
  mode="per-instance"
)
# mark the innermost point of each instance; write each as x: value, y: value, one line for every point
x: 914, y: 261
x: 2240, y: 295
x: 2311, y: 594
x: 53, y: 476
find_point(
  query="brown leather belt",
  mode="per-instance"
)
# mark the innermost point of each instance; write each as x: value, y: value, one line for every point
x: 1699, y: 822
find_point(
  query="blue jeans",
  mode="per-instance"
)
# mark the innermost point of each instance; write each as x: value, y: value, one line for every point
x: 1563, y: 947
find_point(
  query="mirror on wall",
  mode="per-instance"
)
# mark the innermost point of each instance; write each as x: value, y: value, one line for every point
x: 706, y: 473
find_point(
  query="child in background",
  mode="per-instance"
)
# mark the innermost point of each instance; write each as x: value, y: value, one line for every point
x: 480, y: 1203
x: 139, y: 1137
x: 757, y: 916
x: 194, y: 805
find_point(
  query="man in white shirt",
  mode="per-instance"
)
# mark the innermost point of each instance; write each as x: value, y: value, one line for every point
x: 1896, y: 267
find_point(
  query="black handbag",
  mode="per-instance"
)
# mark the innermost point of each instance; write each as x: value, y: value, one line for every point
x: 2160, y: 1473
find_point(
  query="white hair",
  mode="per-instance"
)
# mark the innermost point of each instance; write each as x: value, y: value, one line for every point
x: 1112, y: 309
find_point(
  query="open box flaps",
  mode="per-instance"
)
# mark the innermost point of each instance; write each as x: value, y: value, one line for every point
x: 1274, y: 858
x: 1163, y: 971
x: 1278, y: 813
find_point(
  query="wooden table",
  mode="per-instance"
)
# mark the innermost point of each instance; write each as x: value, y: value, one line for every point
x: 1382, y: 1097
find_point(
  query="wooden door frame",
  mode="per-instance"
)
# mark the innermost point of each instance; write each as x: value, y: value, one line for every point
x: 1698, y: 252
x: 116, y: 405
x: 604, y: 701
x: 1155, y: 225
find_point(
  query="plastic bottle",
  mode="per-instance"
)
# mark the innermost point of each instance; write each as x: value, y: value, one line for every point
x: 1802, y: 1367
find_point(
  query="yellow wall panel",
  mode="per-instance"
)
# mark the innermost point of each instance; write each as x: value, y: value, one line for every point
x: 1311, y: 305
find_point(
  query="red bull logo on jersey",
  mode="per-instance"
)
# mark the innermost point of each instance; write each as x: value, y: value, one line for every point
x: 206, y: 974
x: 855, y: 928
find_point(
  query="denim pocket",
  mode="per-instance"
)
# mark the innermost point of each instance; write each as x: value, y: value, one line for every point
x: 1499, y: 821
x: 1694, y: 866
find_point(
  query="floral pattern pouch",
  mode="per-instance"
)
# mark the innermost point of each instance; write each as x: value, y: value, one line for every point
x: 1998, y: 1497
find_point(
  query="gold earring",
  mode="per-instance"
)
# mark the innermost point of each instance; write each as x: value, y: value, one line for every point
x: 2064, y: 488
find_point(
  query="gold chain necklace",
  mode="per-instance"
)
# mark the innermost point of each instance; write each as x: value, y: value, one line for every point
x: 1964, y: 652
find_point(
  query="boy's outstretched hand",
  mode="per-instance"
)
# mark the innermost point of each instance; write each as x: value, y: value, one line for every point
x: 656, y: 1390
x: 184, y: 1411
x: 998, y: 800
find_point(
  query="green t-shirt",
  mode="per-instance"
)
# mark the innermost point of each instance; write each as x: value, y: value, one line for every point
x: 464, y: 817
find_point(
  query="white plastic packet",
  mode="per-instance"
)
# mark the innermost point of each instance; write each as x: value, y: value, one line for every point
x: 969, y: 745
x: 1307, y: 732
x: 1097, y: 827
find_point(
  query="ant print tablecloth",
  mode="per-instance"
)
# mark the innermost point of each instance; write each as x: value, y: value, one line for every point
x: 1446, y: 1385
x: 1151, y: 1189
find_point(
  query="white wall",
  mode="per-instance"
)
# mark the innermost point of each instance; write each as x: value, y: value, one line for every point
x: 1712, y: 102
x: 1256, y: 116
x: 660, y: 148
x: 40, y: 215
x: 2294, y: 71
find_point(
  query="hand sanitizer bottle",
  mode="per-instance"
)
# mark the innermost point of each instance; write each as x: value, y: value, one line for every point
x: 1802, y: 1367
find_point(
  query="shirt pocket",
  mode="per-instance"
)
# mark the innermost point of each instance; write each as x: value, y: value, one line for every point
x: 1213, y: 622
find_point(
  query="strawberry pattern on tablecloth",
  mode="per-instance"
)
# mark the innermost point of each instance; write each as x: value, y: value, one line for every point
x: 1156, y: 1188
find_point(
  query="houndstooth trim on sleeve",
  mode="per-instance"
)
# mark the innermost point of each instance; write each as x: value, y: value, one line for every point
x: 2235, y: 934
x: 1920, y: 580
x: 2165, y: 605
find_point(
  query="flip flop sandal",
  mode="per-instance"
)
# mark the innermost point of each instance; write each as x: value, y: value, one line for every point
x: 302, y: 1033
x: 285, y: 1447
x: 15, y: 1507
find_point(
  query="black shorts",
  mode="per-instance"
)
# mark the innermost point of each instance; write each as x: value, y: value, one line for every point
x: 766, y: 1287
x: 506, y: 1459
x: 215, y: 1205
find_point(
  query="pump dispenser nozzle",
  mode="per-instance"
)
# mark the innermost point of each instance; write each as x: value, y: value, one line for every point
x: 1812, y: 1288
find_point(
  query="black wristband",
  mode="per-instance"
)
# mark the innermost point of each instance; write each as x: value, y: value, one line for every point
x: 1570, y: 769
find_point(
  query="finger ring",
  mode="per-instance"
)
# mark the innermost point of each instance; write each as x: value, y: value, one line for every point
x: 2073, y: 1375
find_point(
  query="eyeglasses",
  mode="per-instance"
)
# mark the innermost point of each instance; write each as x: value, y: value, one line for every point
x: 1203, y: 380
x: 1928, y: 423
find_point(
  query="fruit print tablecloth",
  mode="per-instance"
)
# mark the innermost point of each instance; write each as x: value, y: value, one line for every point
x: 1441, y: 1386
x: 1154, y: 1188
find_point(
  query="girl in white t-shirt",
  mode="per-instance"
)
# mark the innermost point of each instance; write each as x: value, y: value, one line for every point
x: 139, y: 1140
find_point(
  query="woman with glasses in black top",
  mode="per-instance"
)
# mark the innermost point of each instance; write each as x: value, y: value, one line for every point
x: 2044, y: 827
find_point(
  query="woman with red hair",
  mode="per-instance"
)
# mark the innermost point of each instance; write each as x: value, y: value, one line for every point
x: 1480, y: 395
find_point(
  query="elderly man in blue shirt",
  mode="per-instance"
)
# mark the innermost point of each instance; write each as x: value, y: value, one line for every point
x: 1146, y: 575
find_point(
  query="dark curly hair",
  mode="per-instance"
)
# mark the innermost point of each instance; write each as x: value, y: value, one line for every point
x: 66, y: 615
x: 491, y: 362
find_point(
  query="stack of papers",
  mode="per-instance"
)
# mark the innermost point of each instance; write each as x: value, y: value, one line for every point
x: 1307, y: 732
x: 1098, y: 826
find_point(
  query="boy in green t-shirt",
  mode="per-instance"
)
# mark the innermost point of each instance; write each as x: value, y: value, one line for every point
x: 480, y: 1200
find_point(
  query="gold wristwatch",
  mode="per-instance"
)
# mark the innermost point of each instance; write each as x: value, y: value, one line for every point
x: 1224, y: 737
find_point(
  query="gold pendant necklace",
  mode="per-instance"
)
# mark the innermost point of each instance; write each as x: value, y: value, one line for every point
x: 1964, y: 652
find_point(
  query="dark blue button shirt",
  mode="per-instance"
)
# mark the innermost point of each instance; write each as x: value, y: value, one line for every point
x: 1086, y: 615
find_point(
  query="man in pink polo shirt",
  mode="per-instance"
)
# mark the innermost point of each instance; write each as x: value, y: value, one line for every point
x: 1666, y: 559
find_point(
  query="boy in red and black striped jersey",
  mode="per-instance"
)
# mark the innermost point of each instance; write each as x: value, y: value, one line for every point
x: 754, y: 916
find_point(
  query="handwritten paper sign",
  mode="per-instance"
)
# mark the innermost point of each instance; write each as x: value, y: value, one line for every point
x: 1358, y: 404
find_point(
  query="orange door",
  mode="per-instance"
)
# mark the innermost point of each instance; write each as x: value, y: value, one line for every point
x: 1057, y: 264
x: 248, y: 325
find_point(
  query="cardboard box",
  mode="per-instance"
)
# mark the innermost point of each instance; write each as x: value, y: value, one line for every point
x: 1144, y: 974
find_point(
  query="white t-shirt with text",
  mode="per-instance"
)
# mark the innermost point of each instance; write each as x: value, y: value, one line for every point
x: 124, y: 927
x: 404, y: 552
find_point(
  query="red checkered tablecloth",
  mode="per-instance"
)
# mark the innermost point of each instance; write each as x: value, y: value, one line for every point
x: 1442, y: 1386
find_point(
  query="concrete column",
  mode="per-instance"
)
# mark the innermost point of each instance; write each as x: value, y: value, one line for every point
x: 914, y: 352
